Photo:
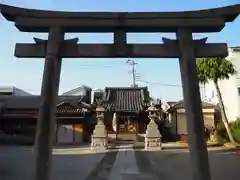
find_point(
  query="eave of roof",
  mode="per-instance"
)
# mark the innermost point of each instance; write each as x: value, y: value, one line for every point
x: 34, y: 102
x: 60, y: 113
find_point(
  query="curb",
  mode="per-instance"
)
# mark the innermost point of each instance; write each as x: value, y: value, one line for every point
x: 184, y: 149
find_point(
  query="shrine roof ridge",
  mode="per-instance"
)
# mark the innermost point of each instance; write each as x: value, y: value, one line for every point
x: 127, y: 88
x: 227, y: 13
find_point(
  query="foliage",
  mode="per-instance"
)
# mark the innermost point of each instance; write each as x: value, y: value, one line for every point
x: 214, y: 69
x: 235, y: 127
x: 222, y: 136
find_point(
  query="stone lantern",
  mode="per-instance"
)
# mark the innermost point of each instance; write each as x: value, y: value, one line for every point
x: 153, y: 136
x: 100, y: 136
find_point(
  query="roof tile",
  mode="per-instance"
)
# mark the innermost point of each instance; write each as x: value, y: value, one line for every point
x: 125, y: 99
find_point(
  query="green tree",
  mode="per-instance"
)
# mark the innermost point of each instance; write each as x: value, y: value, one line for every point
x: 215, y: 69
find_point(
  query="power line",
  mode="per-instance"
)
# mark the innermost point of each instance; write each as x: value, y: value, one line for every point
x: 105, y: 65
x: 162, y: 84
x: 97, y: 66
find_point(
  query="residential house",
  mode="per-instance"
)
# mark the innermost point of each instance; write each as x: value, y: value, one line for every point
x: 230, y: 89
x: 178, y: 119
x: 75, y: 118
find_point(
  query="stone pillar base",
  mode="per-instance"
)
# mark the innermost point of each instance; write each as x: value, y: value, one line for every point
x: 153, y: 144
x: 99, y: 138
x: 153, y: 137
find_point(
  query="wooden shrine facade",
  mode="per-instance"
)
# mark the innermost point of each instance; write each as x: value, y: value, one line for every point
x: 184, y: 47
x: 126, y: 111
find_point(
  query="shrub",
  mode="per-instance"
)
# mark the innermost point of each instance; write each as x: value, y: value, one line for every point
x: 221, y: 133
x: 235, y: 127
x: 222, y: 136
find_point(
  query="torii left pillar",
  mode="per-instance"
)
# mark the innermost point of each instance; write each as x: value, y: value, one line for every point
x: 47, y: 112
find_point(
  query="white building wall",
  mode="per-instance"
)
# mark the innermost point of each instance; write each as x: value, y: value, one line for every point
x: 228, y: 88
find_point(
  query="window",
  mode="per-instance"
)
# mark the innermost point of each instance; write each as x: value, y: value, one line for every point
x: 212, y: 94
x: 239, y: 91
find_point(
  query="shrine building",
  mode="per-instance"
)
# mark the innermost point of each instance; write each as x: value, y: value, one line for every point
x: 125, y: 117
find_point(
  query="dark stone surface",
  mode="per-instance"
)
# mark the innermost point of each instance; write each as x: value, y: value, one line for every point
x: 39, y: 20
x: 192, y: 104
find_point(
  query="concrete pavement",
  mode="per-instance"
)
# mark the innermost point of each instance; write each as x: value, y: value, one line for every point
x: 17, y: 163
x: 122, y: 164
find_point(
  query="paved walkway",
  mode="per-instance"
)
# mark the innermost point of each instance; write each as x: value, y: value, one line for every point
x: 124, y: 165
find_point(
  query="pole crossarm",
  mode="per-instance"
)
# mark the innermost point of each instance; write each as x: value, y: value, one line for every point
x: 210, y: 20
x: 169, y: 49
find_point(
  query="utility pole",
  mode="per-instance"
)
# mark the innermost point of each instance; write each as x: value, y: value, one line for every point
x: 133, y: 71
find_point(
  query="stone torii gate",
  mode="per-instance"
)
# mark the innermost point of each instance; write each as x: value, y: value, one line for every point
x: 56, y: 24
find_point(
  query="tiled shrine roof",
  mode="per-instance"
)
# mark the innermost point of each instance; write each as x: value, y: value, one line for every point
x: 80, y: 108
x: 121, y: 99
x: 65, y: 104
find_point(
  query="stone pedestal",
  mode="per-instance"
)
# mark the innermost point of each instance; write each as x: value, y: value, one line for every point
x: 153, y: 136
x: 99, y: 139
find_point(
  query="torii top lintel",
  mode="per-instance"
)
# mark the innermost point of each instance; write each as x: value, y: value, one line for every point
x: 209, y: 20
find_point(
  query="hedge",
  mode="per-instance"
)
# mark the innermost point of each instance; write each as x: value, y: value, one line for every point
x: 222, y: 136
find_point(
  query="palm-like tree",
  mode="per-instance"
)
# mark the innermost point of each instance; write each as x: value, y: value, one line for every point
x: 215, y: 69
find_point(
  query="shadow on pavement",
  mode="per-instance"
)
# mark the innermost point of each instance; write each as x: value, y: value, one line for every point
x: 166, y: 165
x: 18, y: 163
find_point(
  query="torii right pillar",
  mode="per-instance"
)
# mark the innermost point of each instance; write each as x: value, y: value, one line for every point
x: 192, y: 103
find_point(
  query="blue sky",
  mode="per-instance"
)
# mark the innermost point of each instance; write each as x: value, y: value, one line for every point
x: 99, y: 73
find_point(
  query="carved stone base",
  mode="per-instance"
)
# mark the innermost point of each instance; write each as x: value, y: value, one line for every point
x: 99, y: 138
x: 99, y: 143
x: 153, y: 137
x: 153, y: 144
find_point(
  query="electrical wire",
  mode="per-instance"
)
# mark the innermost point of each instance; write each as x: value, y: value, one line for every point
x: 161, y: 84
